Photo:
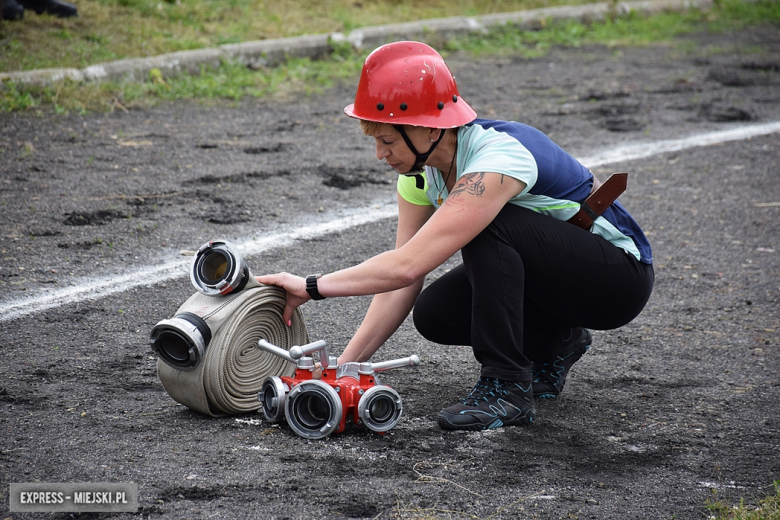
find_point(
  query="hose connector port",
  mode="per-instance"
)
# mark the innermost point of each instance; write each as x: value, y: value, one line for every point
x: 218, y: 269
x: 181, y: 341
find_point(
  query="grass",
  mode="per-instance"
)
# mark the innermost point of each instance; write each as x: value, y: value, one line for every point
x: 767, y: 509
x: 633, y: 29
x: 113, y: 29
x: 232, y: 81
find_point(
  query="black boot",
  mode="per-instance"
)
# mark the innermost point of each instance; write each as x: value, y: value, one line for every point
x: 55, y: 7
x: 550, y: 373
x: 12, y: 10
x: 491, y: 404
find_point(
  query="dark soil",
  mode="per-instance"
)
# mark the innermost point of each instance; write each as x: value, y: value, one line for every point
x: 675, y: 409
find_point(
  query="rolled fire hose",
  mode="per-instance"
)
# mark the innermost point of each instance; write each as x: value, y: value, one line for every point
x: 232, y: 371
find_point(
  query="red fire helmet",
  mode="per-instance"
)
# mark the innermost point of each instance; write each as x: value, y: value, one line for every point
x: 408, y: 83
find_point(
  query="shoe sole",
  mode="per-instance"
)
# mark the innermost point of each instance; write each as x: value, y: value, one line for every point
x: 498, y: 423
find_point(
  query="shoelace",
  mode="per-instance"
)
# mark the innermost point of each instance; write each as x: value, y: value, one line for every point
x: 484, y: 389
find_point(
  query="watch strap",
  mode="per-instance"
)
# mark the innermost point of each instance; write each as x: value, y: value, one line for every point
x: 311, y: 287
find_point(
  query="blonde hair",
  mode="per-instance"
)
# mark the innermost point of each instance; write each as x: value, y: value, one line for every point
x: 368, y: 126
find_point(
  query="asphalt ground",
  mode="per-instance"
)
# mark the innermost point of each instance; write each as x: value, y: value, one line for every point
x: 675, y: 409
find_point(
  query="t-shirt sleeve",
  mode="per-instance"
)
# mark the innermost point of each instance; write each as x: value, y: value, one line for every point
x: 407, y: 188
x: 499, y: 153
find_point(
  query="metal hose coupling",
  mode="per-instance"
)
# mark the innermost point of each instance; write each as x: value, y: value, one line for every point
x: 182, y: 340
x: 218, y: 269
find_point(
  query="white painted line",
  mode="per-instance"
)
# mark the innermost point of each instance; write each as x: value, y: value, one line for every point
x: 641, y: 150
x: 326, y: 223
x: 88, y: 289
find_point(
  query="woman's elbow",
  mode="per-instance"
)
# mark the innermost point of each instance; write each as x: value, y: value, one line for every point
x: 410, y: 275
x: 405, y: 269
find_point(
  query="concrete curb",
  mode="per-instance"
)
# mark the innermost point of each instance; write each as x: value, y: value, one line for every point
x: 275, y: 51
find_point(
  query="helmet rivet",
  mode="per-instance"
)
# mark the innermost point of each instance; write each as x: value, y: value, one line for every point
x: 440, y: 105
x: 454, y: 99
x: 403, y: 106
x: 380, y: 106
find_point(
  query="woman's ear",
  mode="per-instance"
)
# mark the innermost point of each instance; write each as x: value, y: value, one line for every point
x: 434, y: 133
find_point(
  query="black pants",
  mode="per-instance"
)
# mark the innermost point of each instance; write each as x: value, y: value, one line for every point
x: 526, y: 279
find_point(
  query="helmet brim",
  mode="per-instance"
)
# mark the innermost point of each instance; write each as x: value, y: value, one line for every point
x: 453, y: 119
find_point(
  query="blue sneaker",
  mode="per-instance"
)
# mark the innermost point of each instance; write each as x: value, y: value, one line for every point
x: 491, y: 404
x: 550, y: 376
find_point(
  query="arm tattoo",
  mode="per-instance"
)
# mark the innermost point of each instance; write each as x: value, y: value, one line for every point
x: 472, y: 183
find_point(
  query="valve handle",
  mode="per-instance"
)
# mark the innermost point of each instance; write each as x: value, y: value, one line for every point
x: 411, y: 361
x: 273, y: 349
x: 297, y: 352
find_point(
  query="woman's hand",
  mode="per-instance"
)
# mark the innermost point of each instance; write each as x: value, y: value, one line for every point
x: 295, y: 286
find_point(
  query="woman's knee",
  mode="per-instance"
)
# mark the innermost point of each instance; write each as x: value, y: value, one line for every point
x: 423, y: 323
x: 442, y: 312
x: 427, y: 318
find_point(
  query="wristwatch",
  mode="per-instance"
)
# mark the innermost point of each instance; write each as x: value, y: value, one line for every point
x: 311, y: 287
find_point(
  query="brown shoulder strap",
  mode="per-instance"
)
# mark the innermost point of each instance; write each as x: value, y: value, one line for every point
x: 600, y: 200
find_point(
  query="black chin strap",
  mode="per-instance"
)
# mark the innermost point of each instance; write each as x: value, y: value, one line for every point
x: 420, y: 158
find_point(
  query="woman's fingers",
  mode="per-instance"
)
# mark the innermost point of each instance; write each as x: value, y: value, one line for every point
x: 288, y: 313
x: 271, y: 279
x: 295, y: 288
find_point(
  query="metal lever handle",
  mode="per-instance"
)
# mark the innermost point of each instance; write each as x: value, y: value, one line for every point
x: 411, y: 361
x: 273, y: 349
x: 297, y: 352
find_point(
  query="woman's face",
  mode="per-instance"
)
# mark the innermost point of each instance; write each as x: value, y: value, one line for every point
x: 391, y: 147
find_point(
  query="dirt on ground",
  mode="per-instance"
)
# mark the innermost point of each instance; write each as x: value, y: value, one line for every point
x: 675, y: 410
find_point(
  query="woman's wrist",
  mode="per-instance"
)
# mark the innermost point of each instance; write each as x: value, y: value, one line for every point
x: 312, y: 287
